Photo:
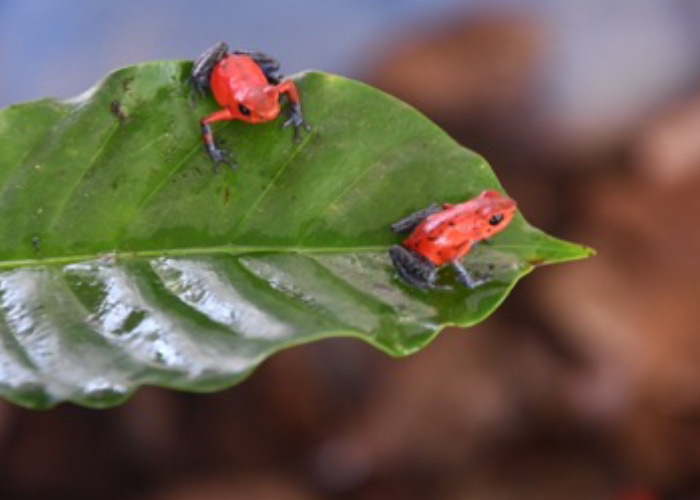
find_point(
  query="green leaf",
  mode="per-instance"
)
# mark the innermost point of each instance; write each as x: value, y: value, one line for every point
x: 125, y: 261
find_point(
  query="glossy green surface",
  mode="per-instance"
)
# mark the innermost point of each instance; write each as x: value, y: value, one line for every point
x: 124, y: 261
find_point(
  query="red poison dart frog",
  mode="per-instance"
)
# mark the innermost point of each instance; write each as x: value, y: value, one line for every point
x: 444, y: 234
x: 248, y: 87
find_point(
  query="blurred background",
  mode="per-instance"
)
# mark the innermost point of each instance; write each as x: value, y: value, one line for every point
x: 584, y: 385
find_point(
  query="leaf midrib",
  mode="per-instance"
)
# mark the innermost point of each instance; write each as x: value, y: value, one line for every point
x: 227, y: 249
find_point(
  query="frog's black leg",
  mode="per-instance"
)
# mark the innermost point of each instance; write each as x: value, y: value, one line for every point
x: 296, y: 117
x: 218, y: 156
x: 465, y: 278
x: 268, y: 64
x: 413, y: 268
x: 202, y: 67
x: 408, y: 224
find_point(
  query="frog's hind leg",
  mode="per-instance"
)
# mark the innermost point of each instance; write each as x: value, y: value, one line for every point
x: 465, y: 278
x: 414, y: 269
x: 203, y: 66
x: 268, y: 64
x: 408, y: 224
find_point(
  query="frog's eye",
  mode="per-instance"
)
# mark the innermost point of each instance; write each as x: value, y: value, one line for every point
x: 244, y: 111
x: 496, y: 219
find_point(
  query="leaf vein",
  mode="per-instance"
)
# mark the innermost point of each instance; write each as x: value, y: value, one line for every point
x: 272, y: 182
x: 156, y: 189
x: 60, y: 209
x: 340, y: 196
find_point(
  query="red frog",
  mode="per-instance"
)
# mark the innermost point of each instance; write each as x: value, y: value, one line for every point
x: 444, y: 234
x: 248, y: 87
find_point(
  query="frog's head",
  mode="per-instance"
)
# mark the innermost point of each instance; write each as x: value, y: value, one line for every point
x: 494, y: 212
x: 258, y: 104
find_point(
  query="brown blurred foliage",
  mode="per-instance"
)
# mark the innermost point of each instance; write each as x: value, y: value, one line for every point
x: 584, y: 385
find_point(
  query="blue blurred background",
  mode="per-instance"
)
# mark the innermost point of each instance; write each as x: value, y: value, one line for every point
x: 40, y: 39
x: 582, y: 386
x: 611, y: 59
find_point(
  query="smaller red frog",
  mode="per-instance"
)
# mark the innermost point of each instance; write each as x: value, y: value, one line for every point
x: 444, y: 234
x: 248, y: 87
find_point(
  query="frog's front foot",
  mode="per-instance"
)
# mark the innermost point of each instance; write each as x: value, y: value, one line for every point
x: 466, y: 278
x: 221, y: 157
x: 296, y: 118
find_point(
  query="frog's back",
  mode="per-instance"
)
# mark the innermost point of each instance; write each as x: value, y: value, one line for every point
x: 443, y: 237
x: 235, y: 71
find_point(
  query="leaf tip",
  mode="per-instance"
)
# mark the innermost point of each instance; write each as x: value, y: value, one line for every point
x: 575, y: 251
